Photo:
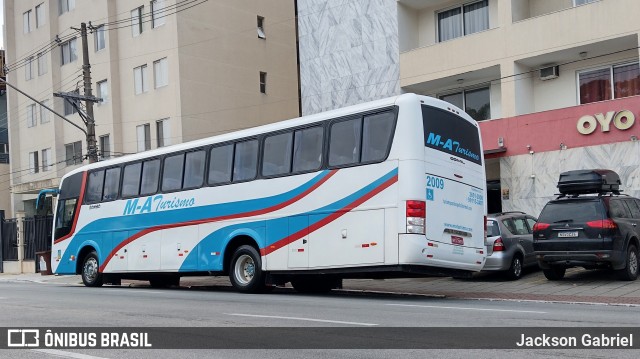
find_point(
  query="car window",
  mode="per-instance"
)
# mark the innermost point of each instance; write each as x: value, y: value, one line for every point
x: 571, y: 211
x: 492, y: 228
x: 617, y: 209
x: 531, y: 222
x: 520, y: 226
x: 509, y: 224
x: 634, y: 206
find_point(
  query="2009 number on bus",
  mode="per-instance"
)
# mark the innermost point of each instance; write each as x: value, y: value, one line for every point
x: 435, y: 182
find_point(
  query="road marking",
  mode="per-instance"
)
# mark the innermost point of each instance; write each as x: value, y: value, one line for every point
x: 463, y: 308
x: 64, y: 354
x: 302, y: 319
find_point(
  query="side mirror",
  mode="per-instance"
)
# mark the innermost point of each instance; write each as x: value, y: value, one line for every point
x: 42, y: 195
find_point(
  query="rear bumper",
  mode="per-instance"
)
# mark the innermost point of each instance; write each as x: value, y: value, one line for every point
x: 498, y: 261
x: 615, y: 259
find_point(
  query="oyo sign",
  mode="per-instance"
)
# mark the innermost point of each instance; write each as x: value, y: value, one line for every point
x: 622, y: 120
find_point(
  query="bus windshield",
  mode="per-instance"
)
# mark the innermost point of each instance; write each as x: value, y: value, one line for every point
x: 452, y: 134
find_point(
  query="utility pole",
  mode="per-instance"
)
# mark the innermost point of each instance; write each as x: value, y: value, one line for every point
x: 92, y: 148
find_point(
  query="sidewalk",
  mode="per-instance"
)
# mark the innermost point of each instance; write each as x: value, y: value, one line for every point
x: 579, y: 286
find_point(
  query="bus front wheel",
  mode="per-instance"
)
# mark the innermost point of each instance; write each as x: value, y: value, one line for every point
x: 91, y: 276
x: 245, y: 271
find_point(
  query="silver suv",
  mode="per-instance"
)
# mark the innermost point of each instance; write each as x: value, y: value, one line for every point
x: 510, y: 243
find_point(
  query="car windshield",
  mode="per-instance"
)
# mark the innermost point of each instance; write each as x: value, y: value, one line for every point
x: 571, y: 212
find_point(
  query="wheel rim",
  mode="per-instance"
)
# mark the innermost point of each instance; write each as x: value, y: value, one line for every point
x: 90, y: 270
x: 245, y: 269
x: 633, y: 262
x: 517, y: 267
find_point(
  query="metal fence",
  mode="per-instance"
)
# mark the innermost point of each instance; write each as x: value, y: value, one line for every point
x: 9, y: 239
x: 37, y: 235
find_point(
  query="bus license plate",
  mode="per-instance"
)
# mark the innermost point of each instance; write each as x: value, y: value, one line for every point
x: 457, y: 240
x: 567, y: 234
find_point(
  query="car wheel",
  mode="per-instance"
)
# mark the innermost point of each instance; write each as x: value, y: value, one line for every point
x: 91, y: 276
x: 554, y: 273
x: 630, y: 270
x: 515, y: 271
x: 245, y: 272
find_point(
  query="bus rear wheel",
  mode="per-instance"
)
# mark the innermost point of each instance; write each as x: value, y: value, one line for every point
x: 91, y: 276
x: 245, y: 271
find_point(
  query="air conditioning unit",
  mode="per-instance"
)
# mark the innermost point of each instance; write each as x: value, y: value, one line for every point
x: 549, y: 73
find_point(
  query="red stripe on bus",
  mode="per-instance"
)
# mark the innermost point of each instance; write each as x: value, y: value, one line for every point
x: 79, y: 205
x: 330, y: 218
x: 218, y: 219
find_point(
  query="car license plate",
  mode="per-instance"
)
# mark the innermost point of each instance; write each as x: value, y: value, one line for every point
x: 568, y: 234
x: 457, y: 240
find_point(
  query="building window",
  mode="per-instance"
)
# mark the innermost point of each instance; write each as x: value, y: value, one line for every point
x: 143, y: 135
x: 42, y: 64
x: 261, y: 34
x: 136, y: 21
x: 68, y: 51
x: 161, y: 72
x: 34, y: 166
x: 26, y: 22
x: 73, y: 153
x: 476, y: 103
x: 66, y: 6
x: 164, y: 132
x: 70, y: 109
x: 102, y: 91
x: 263, y: 82
x: 40, y: 15
x: 31, y: 116
x: 46, y: 160
x: 44, y: 113
x: 463, y: 20
x: 28, y: 69
x: 105, y: 147
x: 596, y: 85
x: 100, y: 38
x: 157, y: 13
x: 141, y: 79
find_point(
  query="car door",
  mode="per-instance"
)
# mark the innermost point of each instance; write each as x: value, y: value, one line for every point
x: 634, y: 207
x: 523, y: 236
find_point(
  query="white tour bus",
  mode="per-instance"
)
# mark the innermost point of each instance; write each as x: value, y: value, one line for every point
x: 390, y: 188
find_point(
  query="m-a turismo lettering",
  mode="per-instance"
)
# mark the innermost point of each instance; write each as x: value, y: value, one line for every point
x: 156, y: 203
x: 449, y: 144
x: 586, y: 340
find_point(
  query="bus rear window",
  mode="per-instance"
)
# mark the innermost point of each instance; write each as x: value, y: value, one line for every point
x: 446, y: 132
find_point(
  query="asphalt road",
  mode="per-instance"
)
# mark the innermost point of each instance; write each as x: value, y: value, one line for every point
x: 51, y: 305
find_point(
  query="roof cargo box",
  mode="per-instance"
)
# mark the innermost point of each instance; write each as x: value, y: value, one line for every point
x: 588, y: 181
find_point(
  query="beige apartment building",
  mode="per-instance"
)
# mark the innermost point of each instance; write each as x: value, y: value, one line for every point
x: 554, y: 84
x: 168, y: 71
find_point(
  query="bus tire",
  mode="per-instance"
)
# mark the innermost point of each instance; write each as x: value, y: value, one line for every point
x: 91, y: 276
x: 245, y: 271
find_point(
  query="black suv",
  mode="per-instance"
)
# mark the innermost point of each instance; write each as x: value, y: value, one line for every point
x: 589, y: 225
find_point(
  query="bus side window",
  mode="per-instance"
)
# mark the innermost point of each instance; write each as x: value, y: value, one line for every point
x: 376, y: 136
x: 245, y: 160
x: 276, y: 158
x: 194, y: 169
x: 172, y: 172
x: 94, y: 187
x: 111, y: 184
x: 344, y: 142
x: 150, y: 177
x: 220, y: 162
x: 131, y: 180
x: 307, y: 149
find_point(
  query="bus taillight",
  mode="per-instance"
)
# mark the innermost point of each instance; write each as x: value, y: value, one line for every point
x: 416, y: 214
